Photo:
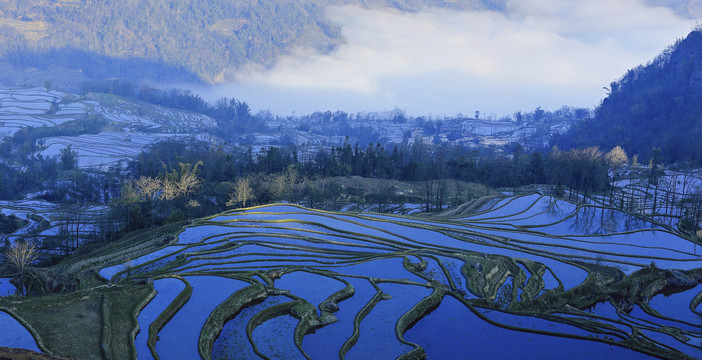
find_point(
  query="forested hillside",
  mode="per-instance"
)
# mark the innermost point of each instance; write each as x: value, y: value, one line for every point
x: 652, y: 106
x: 173, y: 39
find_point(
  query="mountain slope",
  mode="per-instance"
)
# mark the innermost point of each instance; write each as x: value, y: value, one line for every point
x: 214, y: 34
x: 101, y: 129
x: 657, y: 105
x: 174, y: 39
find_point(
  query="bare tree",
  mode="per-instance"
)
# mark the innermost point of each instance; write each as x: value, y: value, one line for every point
x: 441, y: 193
x: 615, y: 159
x: 188, y: 182
x: 242, y: 192
x: 695, y: 201
x: 181, y: 183
x: 293, y: 177
x: 283, y: 184
x: 428, y: 187
x: 687, y: 185
x: 670, y: 187
x: 20, y: 255
x: 147, y: 187
x: 278, y: 186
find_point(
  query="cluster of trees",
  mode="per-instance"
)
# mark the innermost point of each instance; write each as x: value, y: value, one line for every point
x: 233, y: 116
x: 540, y: 116
x: 339, y: 123
x: 224, y: 177
x: 58, y: 179
x: 145, y: 199
x: 352, y: 125
x: 20, y: 171
x: 15, y: 179
x: 175, y: 180
x: 27, y: 140
x: 9, y: 224
x: 585, y: 170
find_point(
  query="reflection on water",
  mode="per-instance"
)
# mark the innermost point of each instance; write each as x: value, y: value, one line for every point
x: 462, y: 332
x: 591, y: 220
x: 514, y: 256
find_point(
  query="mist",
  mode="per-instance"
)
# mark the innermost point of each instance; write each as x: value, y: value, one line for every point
x: 443, y: 62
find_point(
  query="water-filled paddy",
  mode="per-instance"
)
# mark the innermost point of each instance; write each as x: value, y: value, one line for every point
x: 166, y: 291
x: 14, y: 334
x: 306, y: 254
x: 455, y: 323
x: 325, y: 343
x: 275, y: 340
x: 378, y: 328
x: 312, y: 287
x: 179, y: 338
x: 508, y: 207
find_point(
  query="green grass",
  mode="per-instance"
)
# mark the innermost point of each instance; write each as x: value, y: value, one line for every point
x: 92, y: 324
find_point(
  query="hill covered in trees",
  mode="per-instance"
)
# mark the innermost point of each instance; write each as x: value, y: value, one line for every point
x: 172, y: 39
x: 654, y: 106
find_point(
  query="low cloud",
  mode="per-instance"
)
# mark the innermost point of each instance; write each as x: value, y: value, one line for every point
x: 536, y: 53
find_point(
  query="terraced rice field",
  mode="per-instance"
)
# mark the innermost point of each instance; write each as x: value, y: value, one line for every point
x: 48, y: 220
x: 103, y: 149
x: 522, y: 275
x: 135, y: 125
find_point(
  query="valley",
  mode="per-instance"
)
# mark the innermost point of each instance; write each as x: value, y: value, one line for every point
x: 143, y: 220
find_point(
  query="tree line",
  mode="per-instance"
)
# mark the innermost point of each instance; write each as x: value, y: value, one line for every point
x: 176, y: 180
x: 221, y: 177
x: 233, y: 116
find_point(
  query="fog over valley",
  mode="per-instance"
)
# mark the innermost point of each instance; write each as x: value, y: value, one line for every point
x: 440, y: 61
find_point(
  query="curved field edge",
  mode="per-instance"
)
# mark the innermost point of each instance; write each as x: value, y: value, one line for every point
x: 602, y: 283
x: 171, y: 310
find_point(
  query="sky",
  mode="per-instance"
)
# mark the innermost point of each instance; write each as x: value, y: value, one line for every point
x: 438, y: 62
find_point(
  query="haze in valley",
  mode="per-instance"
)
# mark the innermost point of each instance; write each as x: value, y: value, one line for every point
x: 445, y: 62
